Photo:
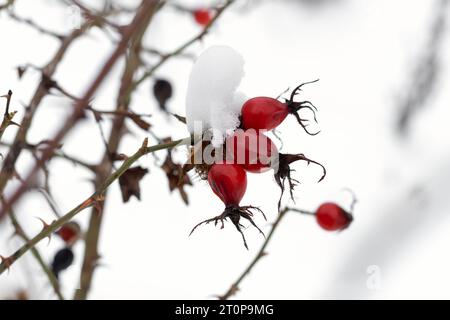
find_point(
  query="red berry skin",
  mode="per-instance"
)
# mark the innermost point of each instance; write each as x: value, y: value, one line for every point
x: 229, y: 182
x: 69, y: 232
x: 202, y: 16
x: 252, y: 150
x: 263, y: 113
x: 332, y: 217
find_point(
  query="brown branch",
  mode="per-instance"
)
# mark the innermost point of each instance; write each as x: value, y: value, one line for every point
x: 19, y: 142
x: 35, y: 26
x: 80, y: 106
x: 180, y: 49
x: 8, y: 116
x: 106, y: 165
x: 93, y: 200
x: 33, y: 148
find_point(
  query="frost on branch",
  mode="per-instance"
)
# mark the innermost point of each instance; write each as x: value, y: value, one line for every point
x: 212, y: 96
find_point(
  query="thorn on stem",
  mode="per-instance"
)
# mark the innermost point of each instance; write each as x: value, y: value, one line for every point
x: 7, y: 262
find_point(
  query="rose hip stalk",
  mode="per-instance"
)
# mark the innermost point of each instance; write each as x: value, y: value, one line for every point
x: 229, y: 183
x: 268, y: 113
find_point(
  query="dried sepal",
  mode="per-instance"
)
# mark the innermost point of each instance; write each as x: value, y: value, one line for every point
x: 129, y: 183
x: 283, y: 173
x: 176, y: 177
x: 235, y: 213
x: 295, y: 107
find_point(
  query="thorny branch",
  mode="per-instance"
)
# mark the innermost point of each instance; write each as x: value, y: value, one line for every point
x: 8, y: 168
x: 93, y: 200
x: 8, y: 116
x: 183, y: 47
x: 106, y: 165
x: 144, y: 11
x: 50, y: 149
x: 234, y: 288
x: 48, y: 272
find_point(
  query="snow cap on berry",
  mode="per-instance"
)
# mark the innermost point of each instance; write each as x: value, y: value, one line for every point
x: 212, y: 98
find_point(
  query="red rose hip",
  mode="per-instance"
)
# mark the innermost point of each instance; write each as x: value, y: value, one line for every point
x: 263, y: 113
x: 202, y: 16
x: 69, y: 232
x: 268, y: 113
x: 229, y: 182
x: 253, y: 150
x: 332, y: 217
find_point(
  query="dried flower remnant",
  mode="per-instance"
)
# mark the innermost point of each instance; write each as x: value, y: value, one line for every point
x: 129, y: 183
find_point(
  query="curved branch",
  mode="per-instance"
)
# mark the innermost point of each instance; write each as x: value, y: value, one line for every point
x: 261, y: 253
x: 51, y: 277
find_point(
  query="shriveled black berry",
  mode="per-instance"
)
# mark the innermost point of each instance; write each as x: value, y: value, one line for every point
x: 62, y: 260
x: 162, y: 90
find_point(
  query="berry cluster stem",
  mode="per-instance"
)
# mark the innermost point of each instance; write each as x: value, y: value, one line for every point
x: 261, y: 253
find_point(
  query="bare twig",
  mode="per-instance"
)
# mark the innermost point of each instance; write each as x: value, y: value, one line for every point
x: 6, y: 5
x: 261, y: 253
x: 106, y: 165
x: 8, y: 116
x: 93, y: 200
x: 35, y: 26
x: 425, y: 75
x: 180, y: 49
x: 19, y: 142
x: 33, y: 148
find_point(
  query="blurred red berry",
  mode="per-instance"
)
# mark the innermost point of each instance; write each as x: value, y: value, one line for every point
x: 202, y: 16
x: 69, y: 232
x: 332, y: 217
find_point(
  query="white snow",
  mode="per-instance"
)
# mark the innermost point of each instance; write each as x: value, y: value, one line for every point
x: 212, y: 96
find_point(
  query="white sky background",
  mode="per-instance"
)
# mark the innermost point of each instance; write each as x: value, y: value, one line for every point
x: 363, y: 52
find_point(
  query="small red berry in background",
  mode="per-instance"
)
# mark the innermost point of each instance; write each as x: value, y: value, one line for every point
x: 202, y: 16
x: 69, y: 232
x: 332, y: 217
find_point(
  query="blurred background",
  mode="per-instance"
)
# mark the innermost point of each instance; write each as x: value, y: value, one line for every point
x: 383, y: 112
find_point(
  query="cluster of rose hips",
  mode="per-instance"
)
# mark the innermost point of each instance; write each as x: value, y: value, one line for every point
x: 228, y: 180
x: 69, y: 233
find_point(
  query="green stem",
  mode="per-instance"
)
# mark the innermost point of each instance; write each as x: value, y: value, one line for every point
x: 261, y: 253
x: 96, y: 196
x: 51, y: 277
